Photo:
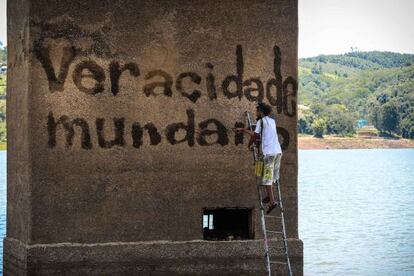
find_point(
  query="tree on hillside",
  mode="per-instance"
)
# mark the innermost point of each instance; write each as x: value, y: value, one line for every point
x: 305, y: 121
x: 319, y: 126
x: 407, y: 127
x: 318, y: 108
x: 317, y: 69
x: 389, y: 117
x: 3, y: 132
x: 2, y: 110
x: 3, y: 55
x: 339, y: 120
x: 374, y: 116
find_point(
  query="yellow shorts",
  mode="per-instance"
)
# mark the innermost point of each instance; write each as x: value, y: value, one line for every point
x: 267, y: 169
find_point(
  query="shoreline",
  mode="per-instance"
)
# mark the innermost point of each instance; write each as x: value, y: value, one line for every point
x: 309, y: 142
x: 335, y: 142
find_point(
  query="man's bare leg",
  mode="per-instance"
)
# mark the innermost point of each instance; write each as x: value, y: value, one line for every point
x: 269, y: 192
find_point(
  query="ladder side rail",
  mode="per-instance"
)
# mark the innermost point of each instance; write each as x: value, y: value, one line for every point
x: 250, y: 125
x: 284, y: 228
x: 265, y: 238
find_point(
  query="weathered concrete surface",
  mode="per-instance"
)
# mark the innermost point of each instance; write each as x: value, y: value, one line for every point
x: 82, y: 167
x: 146, y: 258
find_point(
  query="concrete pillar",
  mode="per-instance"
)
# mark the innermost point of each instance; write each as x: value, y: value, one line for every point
x: 119, y: 118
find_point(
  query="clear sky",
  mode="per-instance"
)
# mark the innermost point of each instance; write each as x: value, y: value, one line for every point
x: 334, y: 26
x: 3, y: 22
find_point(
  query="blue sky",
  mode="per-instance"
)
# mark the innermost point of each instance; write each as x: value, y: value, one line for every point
x: 334, y: 26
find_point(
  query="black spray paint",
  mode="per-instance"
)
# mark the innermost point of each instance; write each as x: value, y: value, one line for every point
x: 172, y: 129
x: 275, y: 90
x: 119, y: 140
x: 97, y: 73
x: 68, y: 126
x: 116, y: 71
x: 137, y: 134
x: 210, y: 127
x: 278, y: 92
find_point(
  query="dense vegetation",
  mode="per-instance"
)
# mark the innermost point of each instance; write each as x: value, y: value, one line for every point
x: 337, y: 90
x: 3, y: 61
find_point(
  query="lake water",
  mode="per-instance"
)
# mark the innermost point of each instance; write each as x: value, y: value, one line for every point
x: 356, y: 214
x: 356, y: 211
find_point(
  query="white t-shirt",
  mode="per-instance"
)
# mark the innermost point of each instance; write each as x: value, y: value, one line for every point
x: 270, y: 141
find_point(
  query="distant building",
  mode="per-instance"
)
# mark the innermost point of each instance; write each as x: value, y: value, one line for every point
x: 361, y: 123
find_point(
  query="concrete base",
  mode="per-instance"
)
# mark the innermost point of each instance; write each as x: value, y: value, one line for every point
x: 146, y: 258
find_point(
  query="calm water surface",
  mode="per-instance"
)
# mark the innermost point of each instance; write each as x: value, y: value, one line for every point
x: 356, y: 211
x: 3, y: 202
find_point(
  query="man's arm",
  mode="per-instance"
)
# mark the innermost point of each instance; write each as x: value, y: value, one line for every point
x: 253, y: 135
x: 245, y: 130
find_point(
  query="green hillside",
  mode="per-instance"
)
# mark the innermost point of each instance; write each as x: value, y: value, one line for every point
x: 337, y: 90
x: 3, y: 53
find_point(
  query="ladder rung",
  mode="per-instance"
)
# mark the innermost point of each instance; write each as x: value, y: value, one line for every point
x: 272, y: 216
x: 276, y: 262
x: 277, y: 232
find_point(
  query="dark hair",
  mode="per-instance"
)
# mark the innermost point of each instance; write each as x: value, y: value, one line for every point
x: 265, y: 108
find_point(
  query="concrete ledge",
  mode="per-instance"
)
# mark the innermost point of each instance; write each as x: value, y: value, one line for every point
x: 145, y: 258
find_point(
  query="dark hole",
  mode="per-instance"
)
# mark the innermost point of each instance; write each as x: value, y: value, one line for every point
x: 223, y: 224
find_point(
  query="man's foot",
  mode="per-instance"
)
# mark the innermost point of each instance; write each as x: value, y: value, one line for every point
x: 271, y: 207
x: 266, y: 200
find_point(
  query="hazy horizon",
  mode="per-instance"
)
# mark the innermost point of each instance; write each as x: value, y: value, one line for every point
x: 368, y: 25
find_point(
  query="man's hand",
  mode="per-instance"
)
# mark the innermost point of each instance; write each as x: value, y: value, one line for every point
x: 251, y: 147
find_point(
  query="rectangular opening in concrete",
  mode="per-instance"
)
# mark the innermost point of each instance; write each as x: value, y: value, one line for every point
x: 223, y: 224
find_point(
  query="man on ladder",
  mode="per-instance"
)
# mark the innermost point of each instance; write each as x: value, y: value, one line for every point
x: 267, y: 162
x: 270, y: 149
